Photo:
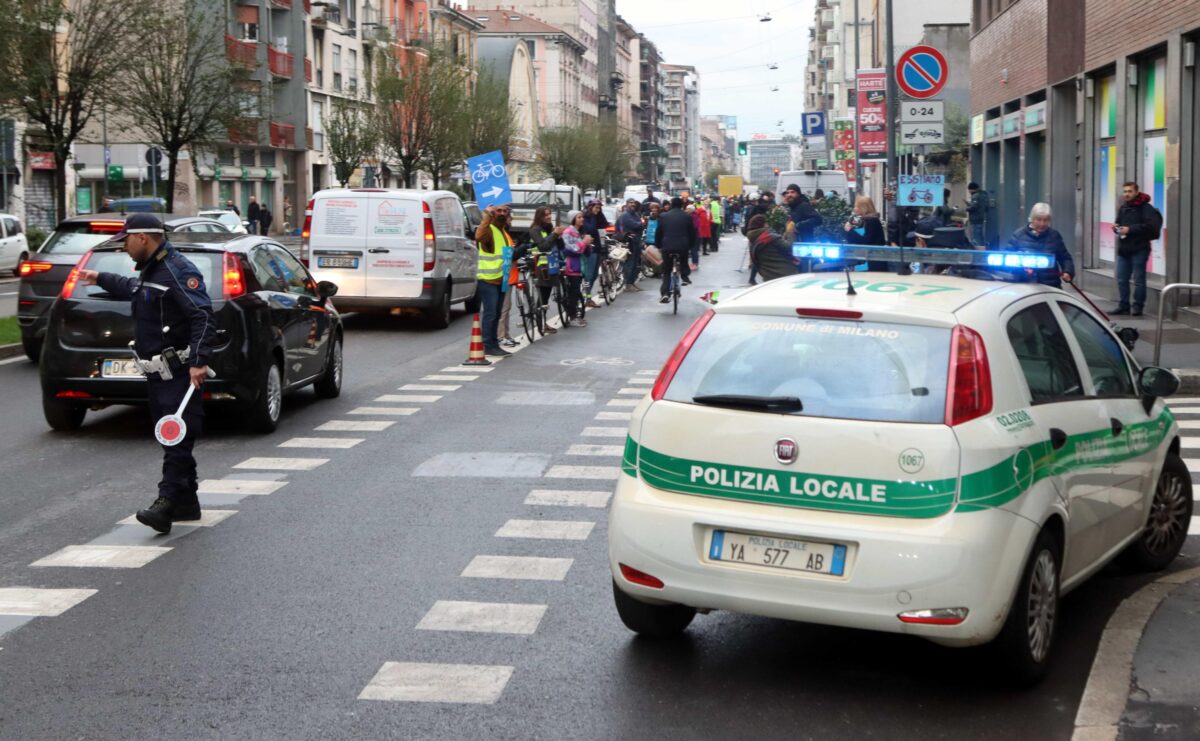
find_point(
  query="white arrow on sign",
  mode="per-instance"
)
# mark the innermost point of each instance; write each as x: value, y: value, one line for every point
x: 495, y: 191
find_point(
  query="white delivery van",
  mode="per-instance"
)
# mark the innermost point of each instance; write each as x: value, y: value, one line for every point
x: 392, y: 250
x: 829, y: 181
x: 526, y: 197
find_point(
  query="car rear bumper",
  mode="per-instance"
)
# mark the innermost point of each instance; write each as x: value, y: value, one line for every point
x: 431, y: 292
x: 893, y: 565
x: 114, y: 391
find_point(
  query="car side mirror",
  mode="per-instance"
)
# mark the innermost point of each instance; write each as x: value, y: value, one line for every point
x: 327, y: 289
x: 1157, y: 382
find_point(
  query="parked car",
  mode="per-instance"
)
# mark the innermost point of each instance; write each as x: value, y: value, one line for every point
x: 44, y: 271
x: 474, y: 214
x: 13, y: 243
x: 392, y: 250
x: 147, y: 204
x: 232, y: 221
x: 277, y: 332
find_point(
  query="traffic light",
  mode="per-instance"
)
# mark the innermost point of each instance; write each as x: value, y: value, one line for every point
x: 741, y: 149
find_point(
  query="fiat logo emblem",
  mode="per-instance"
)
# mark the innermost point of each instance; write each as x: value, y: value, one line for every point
x: 786, y: 450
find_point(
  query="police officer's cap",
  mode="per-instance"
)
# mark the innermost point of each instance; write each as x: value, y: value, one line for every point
x: 140, y: 223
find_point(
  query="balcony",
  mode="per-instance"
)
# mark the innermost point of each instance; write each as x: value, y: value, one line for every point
x: 283, y: 136
x: 244, y: 131
x: 617, y: 79
x: 308, y: 73
x: 244, y: 53
x: 280, y: 63
x: 284, y: 4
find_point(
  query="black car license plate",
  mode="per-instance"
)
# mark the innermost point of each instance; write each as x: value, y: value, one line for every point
x: 338, y: 262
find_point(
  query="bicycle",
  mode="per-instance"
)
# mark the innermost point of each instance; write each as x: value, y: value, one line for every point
x: 676, y: 281
x: 524, y: 300
x: 612, y: 277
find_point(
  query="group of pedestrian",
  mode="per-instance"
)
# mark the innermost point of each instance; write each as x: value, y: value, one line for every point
x: 258, y: 215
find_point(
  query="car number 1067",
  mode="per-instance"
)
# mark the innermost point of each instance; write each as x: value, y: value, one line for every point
x: 779, y: 553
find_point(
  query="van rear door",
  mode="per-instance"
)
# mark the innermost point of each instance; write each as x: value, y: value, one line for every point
x: 395, y: 246
x: 337, y: 245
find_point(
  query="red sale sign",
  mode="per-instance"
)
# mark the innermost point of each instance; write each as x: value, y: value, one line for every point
x: 872, y: 114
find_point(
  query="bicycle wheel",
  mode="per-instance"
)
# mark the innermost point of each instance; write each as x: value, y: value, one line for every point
x: 560, y: 300
x: 618, y: 278
x: 539, y: 309
x: 675, y: 281
x: 522, y: 299
x: 605, y: 280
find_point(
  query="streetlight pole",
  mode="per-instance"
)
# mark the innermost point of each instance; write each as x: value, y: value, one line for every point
x: 890, y: 72
x: 858, y: 184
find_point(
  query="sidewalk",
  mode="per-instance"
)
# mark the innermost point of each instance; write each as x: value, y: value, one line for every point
x: 1180, y: 344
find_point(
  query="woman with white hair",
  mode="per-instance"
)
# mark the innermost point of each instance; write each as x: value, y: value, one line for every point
x: 1039, y: 236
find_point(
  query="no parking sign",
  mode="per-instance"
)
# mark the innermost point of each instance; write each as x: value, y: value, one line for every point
x: 922, y: 72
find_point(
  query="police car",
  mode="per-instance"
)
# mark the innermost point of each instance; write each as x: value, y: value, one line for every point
x: 921, y: 454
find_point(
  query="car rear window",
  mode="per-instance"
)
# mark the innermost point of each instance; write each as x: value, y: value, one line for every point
x: 78, y: 237
x: 845, y: 369
x: 208, y: 263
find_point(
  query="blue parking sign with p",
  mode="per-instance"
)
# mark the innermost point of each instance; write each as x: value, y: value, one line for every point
x: 489, y: 177
x: 813, y: 124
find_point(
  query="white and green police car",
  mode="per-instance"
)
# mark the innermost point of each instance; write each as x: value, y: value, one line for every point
x: 934, y: 455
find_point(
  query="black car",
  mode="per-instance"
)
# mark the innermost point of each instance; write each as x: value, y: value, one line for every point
x: 43, y: 272
x: 276, y: 332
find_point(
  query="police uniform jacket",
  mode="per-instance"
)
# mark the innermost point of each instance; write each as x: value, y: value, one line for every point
x: 171, y: 307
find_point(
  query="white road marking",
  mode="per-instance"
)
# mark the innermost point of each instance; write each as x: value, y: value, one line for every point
x: 340, y: 443
x: 1185, y: 410
x: 543, y: 397
x: 17, y: 359
x: 409, y: 398
x: 1188, y: 424
x: 1193, y: 465
x: 546, y: 529
x: 458, y: 377
x: 283, y: 464
x: 429, y: 387
x: 599, y: 473
x: 632, y: 392
x: 40, y: 602
x: 483, y: 617
x: 208, y: 518
x: 567, y: 498
x: 468, y: 369
x: 1194, y: 528
x: 629, y: 403
x: 1171, y: 401
x: 641, y: 380
x: 1189, y: 442
x: 385, y: 411
x: 608, y: 432
x: 346, y: 425
x: 613, y: 416
x: 614, y: 450
x: 484, y: 464
x: 647, y: 373
x: 518, y: 567
x: 103, y: 556
x: 398, y: 681
x: 239, y: 486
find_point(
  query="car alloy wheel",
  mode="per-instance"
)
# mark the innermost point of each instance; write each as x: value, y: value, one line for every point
x: 274, y: 391
x: 1043, y: 605
x: 1169, y: 515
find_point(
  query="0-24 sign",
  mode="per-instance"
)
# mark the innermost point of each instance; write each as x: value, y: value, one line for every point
x: 922, y: 111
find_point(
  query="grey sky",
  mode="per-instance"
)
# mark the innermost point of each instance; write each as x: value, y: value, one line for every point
x: 731, y: 49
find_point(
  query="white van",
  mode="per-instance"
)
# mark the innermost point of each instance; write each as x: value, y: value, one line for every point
x: 829, y: 181
x: 527, y: 197
x: 392, y: 250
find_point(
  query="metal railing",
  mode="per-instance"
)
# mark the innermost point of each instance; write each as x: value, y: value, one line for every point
x: 1162, y: 305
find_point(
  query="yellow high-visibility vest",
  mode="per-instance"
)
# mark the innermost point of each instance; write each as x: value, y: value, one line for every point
x: 491, y: 264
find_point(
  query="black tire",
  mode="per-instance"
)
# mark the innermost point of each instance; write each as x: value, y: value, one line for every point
x: 264, y: 413
x: 63, y: 417
x: 1170, y: 516
x: 438, y: 315
x: 652, y: 621
x: 560, y: 301
x: 605, y: 281
x: 526, y: 312
x: 32, y: 347
x: 329, y: 385
x: 1026, y: 642
x: 675, y: 291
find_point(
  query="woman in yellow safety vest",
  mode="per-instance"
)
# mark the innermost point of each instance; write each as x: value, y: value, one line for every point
x: 546, y: 239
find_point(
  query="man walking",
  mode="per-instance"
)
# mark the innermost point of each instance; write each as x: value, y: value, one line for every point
x: 676, y: 236
x: 1138, y: 224
x: 174, y: 329
x: 253, y: 214
x: 977, y: 209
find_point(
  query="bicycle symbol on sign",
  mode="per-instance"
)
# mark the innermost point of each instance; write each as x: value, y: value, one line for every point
x: 486, y: 170
x: 922, y: 195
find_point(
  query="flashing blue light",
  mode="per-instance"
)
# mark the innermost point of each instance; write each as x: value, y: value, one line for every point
x: 1012, y: 261
x: 832, y: 253
x: 994, y: 260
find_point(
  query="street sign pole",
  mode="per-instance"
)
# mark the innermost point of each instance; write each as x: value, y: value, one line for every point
x: 857, y: 65
x: 890, y: 66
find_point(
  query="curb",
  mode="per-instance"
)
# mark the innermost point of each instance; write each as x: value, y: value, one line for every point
x: 1107, y: 690
x: 1189, y: 380
x: 11, y: 351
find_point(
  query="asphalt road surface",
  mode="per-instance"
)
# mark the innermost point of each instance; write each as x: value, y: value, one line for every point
x: 440, y: 574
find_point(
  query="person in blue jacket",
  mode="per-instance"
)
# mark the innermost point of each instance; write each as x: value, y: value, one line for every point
x: 1039, y: 236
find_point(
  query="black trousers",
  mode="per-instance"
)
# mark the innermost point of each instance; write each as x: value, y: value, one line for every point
x: 685, y: 270
x: 179, y: 482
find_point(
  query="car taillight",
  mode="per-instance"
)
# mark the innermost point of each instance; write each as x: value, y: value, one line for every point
x: 106, y: 227
x: 233, y: 282
x: 969, y: 391
x: 681, y: 350
x: 69, y: 286
x: 430, y: 241
x: 307, y: 230
x: 635, y: 576
x: 30, y: 268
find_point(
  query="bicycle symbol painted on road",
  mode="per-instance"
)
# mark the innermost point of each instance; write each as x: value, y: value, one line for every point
x: 486, y: 170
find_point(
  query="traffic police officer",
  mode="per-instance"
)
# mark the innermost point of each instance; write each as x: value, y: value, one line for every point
x: 174, y: 326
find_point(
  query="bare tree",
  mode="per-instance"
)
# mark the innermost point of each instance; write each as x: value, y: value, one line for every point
x: 58, y: 60
x: 404, y: 115
x: 563, y: 153
x: 449, y: 108
x: 184, y: 92
x: 351, y: 137
x: 492, y: 119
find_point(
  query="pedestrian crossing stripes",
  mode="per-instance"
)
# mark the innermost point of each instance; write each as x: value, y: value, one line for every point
x: 531, y: 568
x: 34, y: 602
x: 459, y: 377
x: 546, y: 529
x: 624, y: 403
x: 399, y: 681
x: 1185, y: 410
x: 340, y: 425
x: 208, y: 518
x: 1188, y: 424
x: 604, y: 432
x: 1189, y: 443
x: 597, y: 473
x: 567, y: 498
x: 340, y: 443
x: 282, y: 464
x: 408, y: 398
x: 239, y: 486
x: 632, y: 392
x: 103, y: 556
x: 483, y: 617
x: 430, y: 387
x: 613, y: 416
x: 384, y: 411
x: 613, y: 450
x: 647, y: 373
x: 468, y: 369
x: 641, y: 380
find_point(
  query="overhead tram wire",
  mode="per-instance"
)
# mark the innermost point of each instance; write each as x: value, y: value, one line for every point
x: 756, y: 16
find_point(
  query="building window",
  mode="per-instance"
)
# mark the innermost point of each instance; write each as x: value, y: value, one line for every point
x: 352, y: 72
x: 337, y: 67
x: 318, y: 118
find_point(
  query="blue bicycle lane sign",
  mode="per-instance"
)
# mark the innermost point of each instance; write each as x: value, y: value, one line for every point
x: 489, y: 177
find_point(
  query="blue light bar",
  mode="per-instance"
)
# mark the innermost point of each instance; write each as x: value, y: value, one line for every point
x: 936, y: 255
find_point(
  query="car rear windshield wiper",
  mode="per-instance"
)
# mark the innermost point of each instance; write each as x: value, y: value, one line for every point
x: 768, y: 403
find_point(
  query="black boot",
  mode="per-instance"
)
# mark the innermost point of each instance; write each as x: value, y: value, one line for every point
x: 163, y: 512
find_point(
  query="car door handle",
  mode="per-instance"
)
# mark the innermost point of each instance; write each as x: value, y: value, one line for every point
x: 1058, y: 438
x: 378, y: 250
x: 1117, y: 426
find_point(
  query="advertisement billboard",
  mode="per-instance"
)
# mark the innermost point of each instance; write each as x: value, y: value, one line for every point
x: 872, y: 115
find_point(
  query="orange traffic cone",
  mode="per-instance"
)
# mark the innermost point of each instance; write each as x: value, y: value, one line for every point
x: 476, y: 356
